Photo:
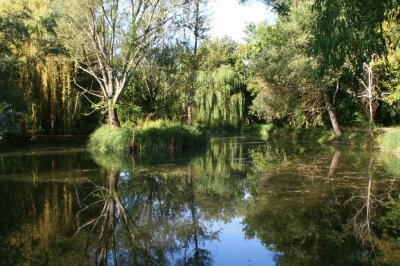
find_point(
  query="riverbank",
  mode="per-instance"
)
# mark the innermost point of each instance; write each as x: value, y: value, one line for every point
x: 359, y: 136
x: 23, y: 141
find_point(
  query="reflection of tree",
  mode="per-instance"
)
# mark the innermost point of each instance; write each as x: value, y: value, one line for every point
x: 297, y: 201
x: 364, y: 206
x: 307, y: 227
x: 111, y: 214
x: 198, y: 232
x: 38, y: 205
x: 38, y: 227
x: 156, y: 215
x: 364, y: 221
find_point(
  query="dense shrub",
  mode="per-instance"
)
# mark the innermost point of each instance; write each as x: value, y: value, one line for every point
x: 106, y: 139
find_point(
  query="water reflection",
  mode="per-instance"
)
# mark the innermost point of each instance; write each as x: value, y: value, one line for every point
x: 318, y: 218
x: 305, y: 204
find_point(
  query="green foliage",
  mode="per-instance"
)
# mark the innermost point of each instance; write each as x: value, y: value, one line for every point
x: 390, y: 221
x: 283, y: 75
x: 220, y: 99
x: 388, y: 67
x: 279, y: 76
x: 35, y: 73
x: 158, y: 85
x: 348, y: 33
x: 111, y: 140
x: 8, y: 119
x: 163, y: 135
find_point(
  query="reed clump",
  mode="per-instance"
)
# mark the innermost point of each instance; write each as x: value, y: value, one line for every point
x: 111, y: 140
x: 161, y: 135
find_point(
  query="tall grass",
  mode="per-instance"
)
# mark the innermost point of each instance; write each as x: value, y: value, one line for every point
x: 166, y: 135
x: 108, y: 140
x: 149, y: 136
x: 389, y: 141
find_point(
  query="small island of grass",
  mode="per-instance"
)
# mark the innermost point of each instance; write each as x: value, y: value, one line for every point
x: 148, y: 136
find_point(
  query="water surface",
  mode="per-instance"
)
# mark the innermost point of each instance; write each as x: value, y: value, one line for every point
x: 241, y: 201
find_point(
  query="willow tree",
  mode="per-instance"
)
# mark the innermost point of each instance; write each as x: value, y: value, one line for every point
x: 220, y: 101
x: 35, y: 74
x: 107, y: 39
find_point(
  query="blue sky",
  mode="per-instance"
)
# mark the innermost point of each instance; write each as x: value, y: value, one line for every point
x: 230, y: 18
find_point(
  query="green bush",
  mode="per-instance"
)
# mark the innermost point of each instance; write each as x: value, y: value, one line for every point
x: 106, y: 139
x: 164, y: 135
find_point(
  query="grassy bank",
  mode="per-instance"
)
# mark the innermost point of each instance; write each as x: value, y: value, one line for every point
x: 321, y: 135
x: 150, y: 136
x: 389, y: 140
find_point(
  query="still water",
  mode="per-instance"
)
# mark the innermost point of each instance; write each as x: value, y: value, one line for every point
x: 239, y: 202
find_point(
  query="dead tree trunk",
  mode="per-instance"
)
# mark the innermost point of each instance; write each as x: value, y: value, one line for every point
x: 371, y: 87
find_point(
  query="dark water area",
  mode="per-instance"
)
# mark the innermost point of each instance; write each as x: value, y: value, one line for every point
x: 240, y: 201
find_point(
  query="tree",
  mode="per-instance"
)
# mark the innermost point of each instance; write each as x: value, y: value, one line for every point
x: 107, y: 39
x: 220, y: 86
x: 348, y: 36
x: 34, y: 72
x: 283, y: 75
x: 159, y: 82
x: 194, y: 27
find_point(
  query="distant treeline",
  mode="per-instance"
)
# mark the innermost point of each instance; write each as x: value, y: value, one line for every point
x: 68, y: 66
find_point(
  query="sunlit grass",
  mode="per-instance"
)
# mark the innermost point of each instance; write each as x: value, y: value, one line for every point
x: 108, y: 140
x: 389, y: 141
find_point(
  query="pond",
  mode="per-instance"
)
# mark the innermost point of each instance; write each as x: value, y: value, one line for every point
x: 241, y: 201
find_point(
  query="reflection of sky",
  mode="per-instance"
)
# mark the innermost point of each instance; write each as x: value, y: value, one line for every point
x: 233, y: 249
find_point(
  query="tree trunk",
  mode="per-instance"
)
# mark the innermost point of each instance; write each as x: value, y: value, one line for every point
x: 370, y: 86
x: 332, y: 116
x: 189, y: 112
x: 113, y: 120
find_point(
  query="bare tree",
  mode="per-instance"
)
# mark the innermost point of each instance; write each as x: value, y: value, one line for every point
x: 194, y: 26
x: 371, y: 89
x: 107, y: 39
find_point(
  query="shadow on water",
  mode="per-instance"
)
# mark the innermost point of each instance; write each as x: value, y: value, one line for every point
x: 304, y: 204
